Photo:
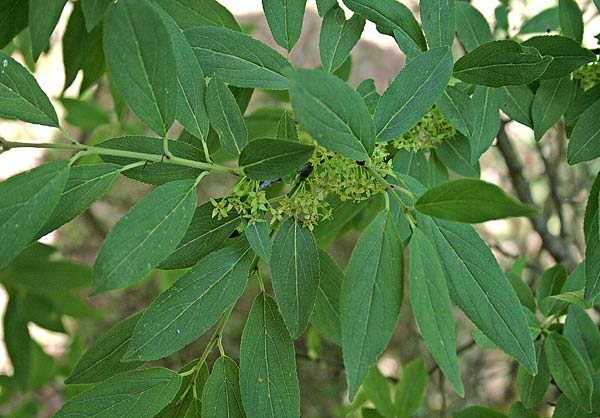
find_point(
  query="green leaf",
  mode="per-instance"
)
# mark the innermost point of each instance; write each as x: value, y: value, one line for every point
x: 550, y: 283
x: 487, y: 101
x: 516, y: 102
x: 43, y: 17
x: 145, y: 236
x: 522, y: 289
x: 14, y: 15
x: 94, y: 11
x: 532, y: 389
x: 583, y: 334
x: 153, y: 173
x: 583, y: 100
x: 439, y: 20
x: 333, y: 113
x: 19, y: 345
x: 569, y: 371
x: 458, y: 108
x: 478, y: 412
x: 285, y: 19
x: 286, y: 128
x: 28, y: 200
x: 368, y: 313
x: 226, y: 117
x: 411, y: 388
x: 103, y: 359
x: 377, y: 389
x: 193, y: 304
x: 204, y: 235
x: 501, y: 63
x: 221, y: 395
x: 478, y: 286
x: 470, y: 200
x: 326, y: 315
x: 571, y: 20
x: 552, y: 99
x: 338, y: 37
x: 324, y: 6
x: 368, y: 92
x: 565, y: 408
x: 133, y: 394
x: 191, y: 108
x: 84, y: 114
x: 266, y: 159
x: 568, y: 55
x: 193, y: 13
x: 85, y: 185
x: 472, y: 27
x: 406, y: 44
x: 140, y: 55
x: 268, y: 379
x: 389, y: 15
x: 295, y: 274
x: 591, y: 229
x: 544, y: 22
x: 21, y: 97
x: 412, y: 93
x: 74, y: 44
x: 187, y: 403
x: 431, y: 306
x: 258, y: 237
x: 583, y: 143
x: 237, y: 58
x: 455, y: 154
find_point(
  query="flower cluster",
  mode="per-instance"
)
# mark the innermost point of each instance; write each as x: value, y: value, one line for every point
x: 330, y: 174
x: 588, y: 75
x: 432, y: 129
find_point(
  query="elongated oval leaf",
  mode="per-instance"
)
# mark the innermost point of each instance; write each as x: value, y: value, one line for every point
x: 268, y: 379
x: 583, y: 143
x: 133, y: 394
x: 204, y: 235
x: 406, y: 44
x: 43, y: 17
x: 338, y: 37
x: 533, y: 388
x: 258, y: 237
x: 516, y: 102
x: 389, y: 15
x: 266, y: 159
x: 145, y: 236
x: 326, y: 315
x: 153, y: 173
x: 412, y: 93
x: 333, y: 113
x: 286, y: 128
x: 569, y: 371
x: 103, y: 359
x: 85, y: 185
x: 472, y: 27
x: 501, y: 63
x: 470, y: 200
x: 455, y: 154
x: 221, y: 395
x: 193, y: 304
x: 27, y: 201
x: 14, y: 16
x: 371, y: 298
x: 295, y: 274
x: 439, y: 19
x: 552, y: 99
x: 21, y: 97
x: 431, y: 306
x: 571, y: 20
x: 591, y: 229
x: 237, y: 58
x: 582, y: 332
x: 226, y: 117
x: 487, y: 101
x: 456, y: 105
x: 544, y: 22
x: 411, y: 388
x: 568, y: 55
x: 285, y: 19
x: 478, y: 286
x: 140, y: 56
x: 193, y: 13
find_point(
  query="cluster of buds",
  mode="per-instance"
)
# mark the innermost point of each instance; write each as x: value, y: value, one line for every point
x: 432, y: 129
x: 588, y: 75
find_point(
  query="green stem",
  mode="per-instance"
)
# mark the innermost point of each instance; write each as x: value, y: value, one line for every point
x: 98, y: 150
